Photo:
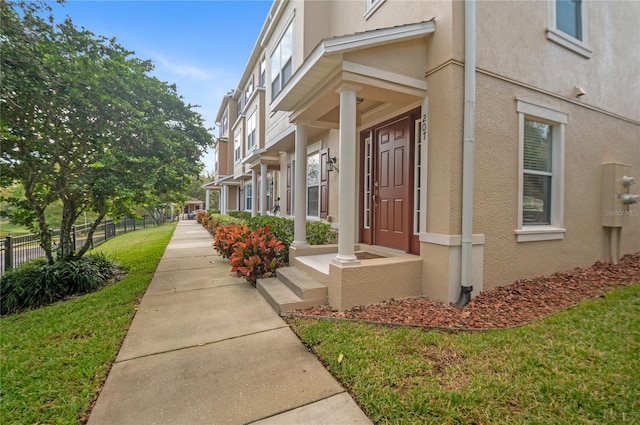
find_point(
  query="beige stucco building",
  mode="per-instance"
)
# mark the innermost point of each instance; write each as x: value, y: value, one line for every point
x: 462, y: 143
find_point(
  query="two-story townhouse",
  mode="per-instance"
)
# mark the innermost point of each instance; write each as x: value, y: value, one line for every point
x: 464, y: 144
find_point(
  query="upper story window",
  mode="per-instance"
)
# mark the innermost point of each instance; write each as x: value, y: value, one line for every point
x: 214, y: 152
x: 541, y: 200
x: 567, y: 25
x: 240, y: 105
x: 282, y: 62
x: 224, y: 125
x: 251, y: 132
x: 569, y: 17
x: 249, y: 90
x: 372, y: 6
x: 263, y: 71
x: 237, y: 148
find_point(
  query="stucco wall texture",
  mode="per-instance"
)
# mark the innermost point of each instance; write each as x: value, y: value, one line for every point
x: 592, y: 138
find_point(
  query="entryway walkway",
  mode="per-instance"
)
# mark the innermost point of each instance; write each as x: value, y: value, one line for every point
x: 206, y: 348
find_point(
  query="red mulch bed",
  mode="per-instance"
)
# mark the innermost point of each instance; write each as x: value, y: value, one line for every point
x: 503, y: 307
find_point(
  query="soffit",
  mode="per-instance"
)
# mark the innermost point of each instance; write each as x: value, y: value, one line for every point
x: 319, y: 71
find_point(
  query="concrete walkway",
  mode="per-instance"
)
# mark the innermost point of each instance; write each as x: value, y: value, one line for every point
x: 206, y: 348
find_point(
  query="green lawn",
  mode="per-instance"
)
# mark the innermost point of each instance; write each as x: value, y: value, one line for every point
x: 8, y: 228
x: 580, y: 366
x: 55, y: 358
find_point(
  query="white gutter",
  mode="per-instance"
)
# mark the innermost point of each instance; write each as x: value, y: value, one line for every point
x: 466, y: 267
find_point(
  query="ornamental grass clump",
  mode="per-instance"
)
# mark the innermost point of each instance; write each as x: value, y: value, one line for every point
x: 38, y: 283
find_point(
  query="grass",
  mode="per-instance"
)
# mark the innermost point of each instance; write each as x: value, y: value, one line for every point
x: 55, y: 358
x: 579, y: 366
x: 8, y: 228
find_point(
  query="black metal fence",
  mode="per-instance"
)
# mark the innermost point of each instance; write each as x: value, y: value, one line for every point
x: 17, y: 250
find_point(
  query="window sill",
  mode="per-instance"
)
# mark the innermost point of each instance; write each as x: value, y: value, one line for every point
x: 540, y: 233
x: 569, y: 42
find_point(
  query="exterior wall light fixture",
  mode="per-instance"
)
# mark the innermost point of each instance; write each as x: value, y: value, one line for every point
x: 330, y: 163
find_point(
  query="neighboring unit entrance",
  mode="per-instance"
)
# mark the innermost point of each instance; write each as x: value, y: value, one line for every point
x: 387, y: 189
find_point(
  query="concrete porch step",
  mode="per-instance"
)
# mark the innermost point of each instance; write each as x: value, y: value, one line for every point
x: 303, y: 285
x: 292, y: 290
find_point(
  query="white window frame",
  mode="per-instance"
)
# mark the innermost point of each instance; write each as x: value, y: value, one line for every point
x: 558, y: 36
x: 251, y: 132
x: 248, y: 196
x: 368, y: 166
x: 420, y: 173
x: 558, y: 121
x: 237, y: 148
x: 224, y: 125
x: 263, y: 71
x: 372, y: 6
x: 249, y: 90
x: 279, y: 62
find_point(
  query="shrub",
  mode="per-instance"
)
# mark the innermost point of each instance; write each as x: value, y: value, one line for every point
x: 217, y: 220
x: 200, y: 214
x: 258, y: 255
x: 318, y: 232
x: 280, y: 227
x: 213, y: 211
x: 240, y: 214
x: 37, y: 283
x: 227, y: 236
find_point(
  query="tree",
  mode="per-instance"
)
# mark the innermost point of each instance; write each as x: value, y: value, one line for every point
x: 83, y: 122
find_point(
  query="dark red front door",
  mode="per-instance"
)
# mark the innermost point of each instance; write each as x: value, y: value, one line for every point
x: 392, y: 200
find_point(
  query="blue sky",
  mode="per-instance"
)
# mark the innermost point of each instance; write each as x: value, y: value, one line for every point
x: 201, y: 46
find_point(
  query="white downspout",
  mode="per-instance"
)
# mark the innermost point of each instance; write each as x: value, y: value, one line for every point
x: 466, y: 270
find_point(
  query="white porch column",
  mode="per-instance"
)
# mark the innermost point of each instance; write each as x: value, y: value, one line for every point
x: 347, y: 177
x: 223, y: 199
x: 206, y: 201
x: 263, y: 189
x: 254, y: 190
x: 225, y: 190
x: 300, y: 185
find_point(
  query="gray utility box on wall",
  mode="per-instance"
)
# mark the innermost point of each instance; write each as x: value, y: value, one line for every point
x: 616, y: 194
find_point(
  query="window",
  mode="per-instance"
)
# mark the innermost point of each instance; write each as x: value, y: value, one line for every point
x: 569, y: 17
x: 269, y: 192
x: 372, y: 6
x: 240, y: 105
x: 419, y: 186
x: 248, y: 196
x: 224, y: 125
x: 263, y: 71
x: 367, y: 183
x: 214, y: 153
x: 536, y: 203
x: 313, y: 185
x: 251, y: 132
x: 249, y: 90
x: 541, y: 181
x: 237, y: 144
x: 282, y: 62
x: 567, y: 25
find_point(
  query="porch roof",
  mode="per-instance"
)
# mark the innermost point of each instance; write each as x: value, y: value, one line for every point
x: 325, y: 66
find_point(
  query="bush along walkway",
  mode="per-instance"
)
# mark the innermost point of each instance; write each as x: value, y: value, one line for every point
x: 205, y: 347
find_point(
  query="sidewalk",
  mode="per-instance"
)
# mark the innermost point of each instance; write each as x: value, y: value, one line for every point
x: 206, y: 348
